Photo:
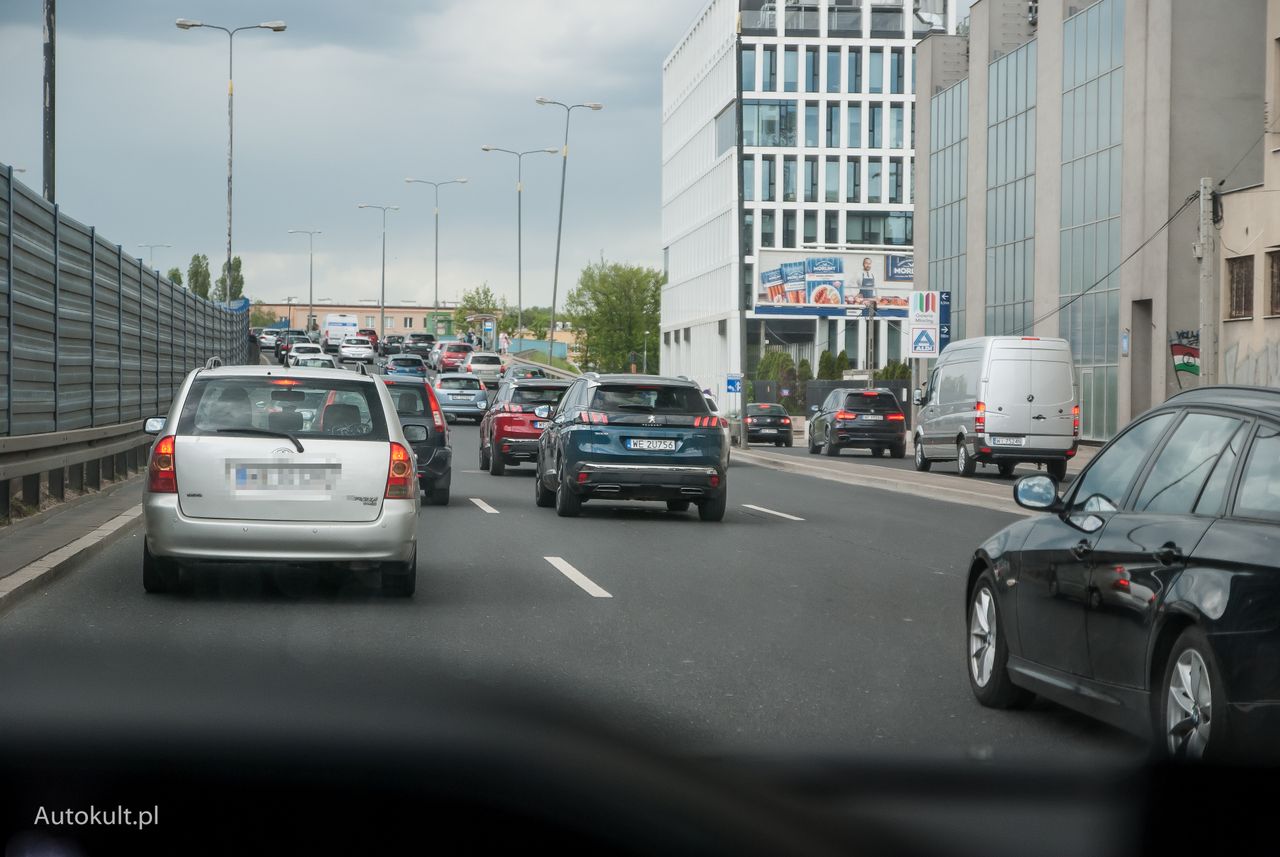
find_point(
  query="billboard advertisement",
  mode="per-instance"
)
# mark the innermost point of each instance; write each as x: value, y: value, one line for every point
x: 833, y: 283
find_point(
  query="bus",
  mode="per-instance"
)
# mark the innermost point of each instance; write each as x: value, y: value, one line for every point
x: 337, y: 326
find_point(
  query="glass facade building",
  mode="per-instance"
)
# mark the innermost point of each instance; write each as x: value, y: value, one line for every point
x: 948, y: 197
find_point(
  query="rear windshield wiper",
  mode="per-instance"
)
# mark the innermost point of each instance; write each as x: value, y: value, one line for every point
x: 265, y: 432
x: 644, y: 408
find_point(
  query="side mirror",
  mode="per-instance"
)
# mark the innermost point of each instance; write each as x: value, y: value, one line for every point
x: 813, y: 409
x: 1036, y: 492
x: 542, y: 412
x: 415, y: 433
x: 917, y: 398
x: 154, y: 425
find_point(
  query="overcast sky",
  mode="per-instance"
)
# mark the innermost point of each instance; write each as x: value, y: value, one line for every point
x: 338, y: 110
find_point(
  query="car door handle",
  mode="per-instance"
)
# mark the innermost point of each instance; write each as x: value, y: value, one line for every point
x: 1168, y: 554
x: 1081, y: 549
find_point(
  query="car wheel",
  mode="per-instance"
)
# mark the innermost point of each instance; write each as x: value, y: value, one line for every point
x: 497, y: 465
x: 1057, y: 471
x: 814, y: 448
x: 713, y: 509
x: 158, y: 575
x: 541, y: 495
x: 790, y: 441
x: 484, y: 457
x: 777, y: 443
x: 440, y: 490
x: 987, y: 652
x: 877, y: 451
x: 830, y: 448
x: 898, y: 450
x: 677, y: 505
x: 965, y: 465
x: 1190, y: 695
x: 400, y: 578
x: 1006, y: 470
x: 568, y: 504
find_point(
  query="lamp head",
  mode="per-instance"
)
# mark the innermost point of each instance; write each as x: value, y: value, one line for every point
x: 187, y: 23
x: 594, y: 105
x: 274, y: 26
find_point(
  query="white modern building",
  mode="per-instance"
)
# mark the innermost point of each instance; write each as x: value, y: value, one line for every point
x: 788, y: 135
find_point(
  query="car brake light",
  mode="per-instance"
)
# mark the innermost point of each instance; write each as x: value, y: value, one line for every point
x: 846, y: 415
x: 786, y: 421
x: 399, y: 474
x: 286, y: 382
x: 895, y: 418
x: 750, y: 420
x: 1075, y: 421
x: 162, y: 475
x: 592, y: 417
x: 583, y: 476
x: 714, y: 481
x: 870, y: 393
x: 980, y: 420
x: 1031, y: 338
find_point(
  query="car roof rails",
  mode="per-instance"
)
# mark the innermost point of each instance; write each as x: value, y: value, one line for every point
x: 213, y: 363
x: 590, y: 374
x: 362, y: 370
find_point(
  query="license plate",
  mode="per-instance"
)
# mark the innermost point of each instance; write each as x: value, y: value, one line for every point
x: 540, y: 424
x: 459, y: 398
x: 1008, y: 441
x: 651, y: 444
x: 871, y: 417
x: 768, y: 431
x: 269, y: 478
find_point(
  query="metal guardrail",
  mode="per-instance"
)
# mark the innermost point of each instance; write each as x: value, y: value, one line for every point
x: 553, y: 371
x: 92, y: 342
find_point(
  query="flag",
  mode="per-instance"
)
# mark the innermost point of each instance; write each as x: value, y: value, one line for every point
x: 1186, y: 358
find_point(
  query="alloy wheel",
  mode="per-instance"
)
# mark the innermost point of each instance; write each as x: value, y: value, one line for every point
x: 1189, y: 708
x: 982, y: 636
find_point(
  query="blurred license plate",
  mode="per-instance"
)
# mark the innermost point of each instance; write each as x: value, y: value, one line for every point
x: 768, y: 431
x: 871, y: 417
x: 268, y: 478
x: 1008, y: 441
x: 459, y: 398
x: 539, y: 424
x: 647, y: 443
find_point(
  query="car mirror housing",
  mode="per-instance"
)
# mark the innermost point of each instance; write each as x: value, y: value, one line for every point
x: 917, y: 397
x: 1036, y: 492
x: 415, y: 432
x: 813, y: 409
x: 542, y: 412
x: 154, y: 425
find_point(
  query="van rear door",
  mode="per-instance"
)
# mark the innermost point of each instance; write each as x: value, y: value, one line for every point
x: 1052, y: 385
x: 1008, y: 412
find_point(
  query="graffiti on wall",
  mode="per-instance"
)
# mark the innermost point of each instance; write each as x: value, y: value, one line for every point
x: 1184, y: 350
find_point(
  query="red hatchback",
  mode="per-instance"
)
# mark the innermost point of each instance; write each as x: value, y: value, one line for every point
x: 452, y: 355
x: 511, y: 428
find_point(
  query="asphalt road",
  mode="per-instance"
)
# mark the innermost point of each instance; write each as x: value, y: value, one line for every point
x: 831, y: 622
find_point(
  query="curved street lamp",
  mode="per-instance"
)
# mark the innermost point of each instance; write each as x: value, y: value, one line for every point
x: 382, y: 300
x: 435, y: 302
x: 519, y: 222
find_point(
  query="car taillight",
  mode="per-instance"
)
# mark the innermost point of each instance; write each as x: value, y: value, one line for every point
x: 980, y: 420
x: 846, y: 415
x: 710, y: 422
x: 895, y: 418
x: 399, y: 474
x: 786, y: 421
x: 162, y: 475
x: 592, y: 418
x: 750, y: 420
x: 1075, y: 420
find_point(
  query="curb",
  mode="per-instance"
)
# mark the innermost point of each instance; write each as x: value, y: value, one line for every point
x: 58, y: 563
x: 944, y: 493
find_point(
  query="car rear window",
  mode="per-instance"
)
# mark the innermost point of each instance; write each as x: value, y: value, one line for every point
x: 352, y: 340
x: 487, y: 361
x: 410, y: 400
x: 302, y: 406
x: 459, y: 383
x: 877, y: 403
x: 537, y: 395
x: 415, y: 362
x: 648, y: 399
x: 457, y: 346
x: 765, y: 408
x: 316, y: 362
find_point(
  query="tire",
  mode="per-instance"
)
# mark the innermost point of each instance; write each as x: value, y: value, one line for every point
x: 777, y: 443
x: 830, y: 448
x: 677, y: 505
x: 922, y: 463
x: 1057, y: 471
x: 813, y: 449
x: 986, y: 652
x: 158, y: 575
x: 1191, y: 673
x: 1006, y: 469
x: 568, y: 504
x: 713, y: 509
x: 401, y: 578
x: 790, y: 442
x: 898, y: 450
x: 484, y: 457
x: 877, y: 451
x: 965, y: 465
x: 497, y: 464
x: 439, y: 493
x: 541, y: 496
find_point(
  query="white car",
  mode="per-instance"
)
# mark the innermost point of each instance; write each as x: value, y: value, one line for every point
x: 302, y: 349
x: 268, y: 339
x: 258, y: 464
x: 356, y: 348
x: 316, y: 361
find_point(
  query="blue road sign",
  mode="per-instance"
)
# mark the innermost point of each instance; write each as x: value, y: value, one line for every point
x: 733, y: 385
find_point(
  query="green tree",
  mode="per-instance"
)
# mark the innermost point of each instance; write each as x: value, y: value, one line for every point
x: 611, y: 307
x: 260, y: 317
x: 198, y: 275
x: 175, y: 275
x: 537, y: 320
x: 840, y: 365
x: 475, y: 301
x: 894, y: 370
x: 220, y: 291
x: 826, y: 366
x: 804, y: 374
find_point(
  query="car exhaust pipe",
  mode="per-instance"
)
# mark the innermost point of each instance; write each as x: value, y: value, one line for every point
x: 691, y: 492
x: 607, y: 489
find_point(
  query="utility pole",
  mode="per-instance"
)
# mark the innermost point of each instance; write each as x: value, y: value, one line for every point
x: 744, y: 295
x: 1206, y: 252
x: 50, y: 91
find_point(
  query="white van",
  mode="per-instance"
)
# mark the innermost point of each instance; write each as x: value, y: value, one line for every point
x: 337, y: 327
x: 999, y: 400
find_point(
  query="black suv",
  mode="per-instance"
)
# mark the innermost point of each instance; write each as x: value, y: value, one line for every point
x: 858, y: 419
x: 629, y: 437
x: 419, y: 344
x: 416, y: 402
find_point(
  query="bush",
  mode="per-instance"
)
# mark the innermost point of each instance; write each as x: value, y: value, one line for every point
x: 841, y: 365
x: 894, y: 370
x: 826, y: 366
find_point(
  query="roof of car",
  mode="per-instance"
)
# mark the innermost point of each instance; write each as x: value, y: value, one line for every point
x: 443, y: 375
x: 1265, y: 399
x: 546, y: 383
x: 278, y: 372
x: 485, y: 354
x: 627, y: 378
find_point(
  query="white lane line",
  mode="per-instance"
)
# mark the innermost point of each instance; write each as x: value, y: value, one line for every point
x: 577, y: 577
x: 771, y: 512
x: 485, y: 506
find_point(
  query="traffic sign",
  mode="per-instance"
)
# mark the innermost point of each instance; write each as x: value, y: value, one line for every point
x: 923, y: 341
x: 733, y: 384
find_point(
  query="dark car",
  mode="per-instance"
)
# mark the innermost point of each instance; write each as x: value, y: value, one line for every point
x: 858, y: 419
x: 768, y: 423
x: 629, y: 437
x: 393, y: 344
x: 512, y: 425
x: 1148, y: 595
x: 282, y: 338
x: 416, y: 402
x: 419, y: 344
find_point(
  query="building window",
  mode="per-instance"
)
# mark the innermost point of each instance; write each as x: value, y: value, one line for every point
x: 811, y: 70
x: 748, y: 178
x: 727, y: 129
x: 769, y: 70
x: 368, y: 321
x: 831, y: 181
x: 811, y: 124
x: 789, y: 229
x: 789, y: 178
x: 790, y: 69
x: 875, y: 126
x: 897, y: 72
x: 833, y: 227
x: 844, y: 17
x: 766, y: 228
x: 891, y: 228
x: 874, y: 183
x: 854, y: 114
x: 1273, y: 265
x: 1240, y: 287
x: 853, y: 180
x: 768, y: 123
x: 748, y: 282
x: 408, y: 323
x: 833, y: 69
x: 802, y: 17
x: 833, y: 125
x: 811, y: 178
x: 897, y: 128
x: 886, y: 22
x: 855, y: 69
x: 875, y: 70
x: 811, y: 227
x: 895, y: 180
x: 748, y: 69
x: 767, y: 170
x: 748, y: 233
x: 759, y: 18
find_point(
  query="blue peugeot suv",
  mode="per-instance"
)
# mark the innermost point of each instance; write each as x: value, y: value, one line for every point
x: 633, y: 437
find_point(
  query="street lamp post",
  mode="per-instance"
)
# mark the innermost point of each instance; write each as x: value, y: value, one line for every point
x: 519, y: 223
x: 435, y: 302
x: 273, y: 26
x: 382, y: 299
x: 151, y: 248
x: 311, y: 268
x: 646, y: 352
x: 564, y: 166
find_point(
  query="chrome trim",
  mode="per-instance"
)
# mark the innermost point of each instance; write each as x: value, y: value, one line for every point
x: 660, y: 468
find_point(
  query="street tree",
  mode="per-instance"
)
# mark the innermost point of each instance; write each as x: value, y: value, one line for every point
x: 611, y: 307
x: 260, y: 317
x: 198, y: 275
x: 474, y: 302
x: 175, y: 275
x: 221, y: 292
x: 826, y: 366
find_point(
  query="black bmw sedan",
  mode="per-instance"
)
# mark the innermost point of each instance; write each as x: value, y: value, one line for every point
x: 1147, y: 595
